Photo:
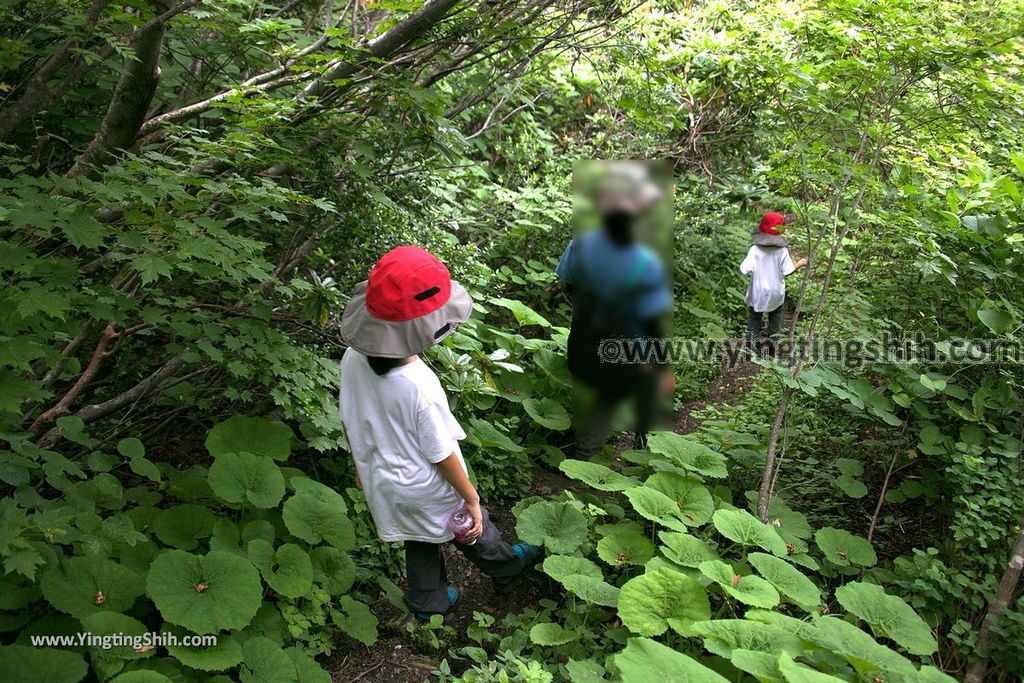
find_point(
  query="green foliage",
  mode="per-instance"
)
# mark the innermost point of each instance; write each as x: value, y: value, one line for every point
x: 191, y: 565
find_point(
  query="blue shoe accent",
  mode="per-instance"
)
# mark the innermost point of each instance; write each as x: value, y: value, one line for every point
x: 453, y: 599
x: 527, y: 553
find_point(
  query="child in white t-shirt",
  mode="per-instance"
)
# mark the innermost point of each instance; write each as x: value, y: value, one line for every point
x: 767, y: 263
x: 402, y: 434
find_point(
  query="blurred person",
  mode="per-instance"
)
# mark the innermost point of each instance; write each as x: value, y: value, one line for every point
x: 619, y: 290
x: 768, y: 263
x: 401, y: 431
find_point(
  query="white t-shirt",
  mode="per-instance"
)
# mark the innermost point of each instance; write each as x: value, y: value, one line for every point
x: 398, y: 426
x: 767, y: 266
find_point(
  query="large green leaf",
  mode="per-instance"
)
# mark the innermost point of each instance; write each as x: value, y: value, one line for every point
x: 722, y: 636
x: 625, y: 546
x: 41, y: 664
x: 592, y: 590
x: 794, y: 672
x: 288, y: 570
x: 524, y: 314
x: 264, y: 661
x: 241, y: 477
x: 183, y: 526
x: 227, y: 653
x: 356, y: 620
x: 656, y: 506
x: 652, y: 603
x: 596, y: 476
x: 751, y: 590
x: 216, y: 592
x: 490, y: 436
x: 548, y: 413
x: 760, y: 665
x: 645, y: 660
x: 317, y: 513
x: 250, y: 435
x: 558, y: 526
x: 142, y: 676
x: 995, y: 319
x: 688, y: 454
x: 549, y: 635
x: 333, y: 569
x: 112, y: 625
x: 582, y: 578
x: 787, y: 579
x: 85, y: 584
x: 888, y: 616
x: 685, y: 549
x: 307, y: 668
x: 743, y: 528
x: 843, y: 548
x: 694, y: 500
x: 561, y: 567
x: 858, y: 648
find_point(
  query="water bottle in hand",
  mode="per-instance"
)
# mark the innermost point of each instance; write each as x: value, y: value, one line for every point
x: 460, y: 524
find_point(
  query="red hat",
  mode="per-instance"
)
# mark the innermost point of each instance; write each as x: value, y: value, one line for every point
x: 408, y: 304
x: 407, y: 283
x: 770, y: 221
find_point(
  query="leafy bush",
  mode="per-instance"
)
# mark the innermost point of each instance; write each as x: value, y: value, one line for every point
x: 187, y: 551
x: 654, y: 551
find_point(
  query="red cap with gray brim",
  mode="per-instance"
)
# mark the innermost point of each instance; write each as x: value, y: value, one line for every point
x: 408, y: 304
x: 767, y: 234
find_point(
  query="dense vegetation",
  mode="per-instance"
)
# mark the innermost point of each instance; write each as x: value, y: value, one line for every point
x: 191, y: 188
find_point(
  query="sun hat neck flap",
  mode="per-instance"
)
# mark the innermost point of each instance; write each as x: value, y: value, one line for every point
x: 764, y: 239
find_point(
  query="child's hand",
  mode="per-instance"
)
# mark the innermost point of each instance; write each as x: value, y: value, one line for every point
x: 478, y: 520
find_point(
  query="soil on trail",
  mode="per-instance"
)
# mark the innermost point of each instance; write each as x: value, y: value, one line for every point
x: 395, y: 658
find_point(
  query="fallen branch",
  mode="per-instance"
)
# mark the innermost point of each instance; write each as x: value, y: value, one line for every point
x: 63, y: 406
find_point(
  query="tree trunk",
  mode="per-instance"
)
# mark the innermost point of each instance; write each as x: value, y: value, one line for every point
x: 1004, y: 594
x: 131, y: 99
x: 38, y: 93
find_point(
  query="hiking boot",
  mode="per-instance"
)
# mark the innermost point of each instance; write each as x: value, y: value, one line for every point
x: 529, y: 555
x: 453, y: 600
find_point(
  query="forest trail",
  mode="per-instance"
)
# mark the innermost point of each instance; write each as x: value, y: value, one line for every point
x: 395, y: 658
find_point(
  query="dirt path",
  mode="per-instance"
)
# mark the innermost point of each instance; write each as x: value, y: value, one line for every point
x: 395, y: 658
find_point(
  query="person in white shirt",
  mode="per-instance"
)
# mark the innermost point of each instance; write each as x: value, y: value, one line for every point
x: 768, y: 263
x: 402, y: 434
